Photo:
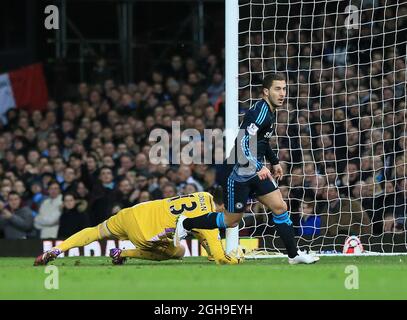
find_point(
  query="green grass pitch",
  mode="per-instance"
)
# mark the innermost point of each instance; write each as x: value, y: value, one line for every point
x: 196, y: 278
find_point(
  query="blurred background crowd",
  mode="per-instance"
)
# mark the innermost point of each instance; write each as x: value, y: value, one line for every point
x: 341, y: 138
x: 81, y: 161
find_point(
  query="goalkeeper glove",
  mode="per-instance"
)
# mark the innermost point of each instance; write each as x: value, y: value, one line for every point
x: 229, y: 260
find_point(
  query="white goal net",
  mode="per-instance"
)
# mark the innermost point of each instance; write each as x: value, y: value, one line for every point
x: 341, y: 137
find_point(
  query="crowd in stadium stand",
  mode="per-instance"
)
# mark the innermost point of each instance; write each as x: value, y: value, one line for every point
x: 341, y: 140
x: 84, y: 159
x: 342, y: 136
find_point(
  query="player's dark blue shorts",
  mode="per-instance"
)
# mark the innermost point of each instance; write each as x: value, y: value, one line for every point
x: 236, y: 194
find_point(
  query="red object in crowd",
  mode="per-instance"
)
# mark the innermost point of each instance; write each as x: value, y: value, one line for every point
x: 24, y: 88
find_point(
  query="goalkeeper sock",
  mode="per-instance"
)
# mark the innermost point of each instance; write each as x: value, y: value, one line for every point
x: 285, y: 230
x: 211, y: 220
x: 79, y: 239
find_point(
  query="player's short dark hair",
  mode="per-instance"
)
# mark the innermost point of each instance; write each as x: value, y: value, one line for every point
x: 268, y: 80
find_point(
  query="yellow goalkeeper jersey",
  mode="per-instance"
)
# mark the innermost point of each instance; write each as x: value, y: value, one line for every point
x: 159, y: 215
x: 148, y: 223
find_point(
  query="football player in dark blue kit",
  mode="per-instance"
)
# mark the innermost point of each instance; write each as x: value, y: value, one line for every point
x: 250, y: 176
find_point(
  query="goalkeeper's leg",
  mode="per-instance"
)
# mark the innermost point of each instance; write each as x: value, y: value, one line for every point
x: 154, y: 254
x: 79, y: 239
x: 159, y: 253
x: 84, y: 237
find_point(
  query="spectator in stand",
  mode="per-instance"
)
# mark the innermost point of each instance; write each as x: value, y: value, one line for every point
x: 209, y: 178
x: 82, y: 196
x: 185, y: 177
x: 401, y: 207
x: 89, y: 172
x: 189, y: 188
x: 169, y: 190
x: 126, y: 164
x: 141, y: 163
x: 68, y: 180
x: 36, y: 196
x: 102, y: 197
x: 124, y: 196
x: 59, y: 168
x: 16, y: 220
x: 72, y: 219
x: 310, y: 223
x: 343, y: 216
x: 349, y: 179
x: 176, y: 68
x: 75, y: 162
x: 142, y: 181
x: 216, y: 88
x: 47, y: 220
x: 144, y: 196
x: 100, y: 73
x: 395, y: 206
x: 20, y: 188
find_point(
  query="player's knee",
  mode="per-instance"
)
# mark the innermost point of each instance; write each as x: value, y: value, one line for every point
x: 280, y: 208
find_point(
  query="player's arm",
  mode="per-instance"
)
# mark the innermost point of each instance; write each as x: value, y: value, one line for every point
x: 251, y: 124
x: 274, y: 161
x: 210, y: 240
x: 271, y: 156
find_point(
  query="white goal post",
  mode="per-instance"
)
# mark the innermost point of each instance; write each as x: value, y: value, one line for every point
x: 231, y: 94
x: 342, y: 135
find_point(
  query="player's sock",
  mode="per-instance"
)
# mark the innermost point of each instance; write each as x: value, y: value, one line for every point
x: 285, y: 230
x: 79, y: 239
x: 211, y: 220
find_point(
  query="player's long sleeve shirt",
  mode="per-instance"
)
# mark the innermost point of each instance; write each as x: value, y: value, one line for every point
x: 253, y: 141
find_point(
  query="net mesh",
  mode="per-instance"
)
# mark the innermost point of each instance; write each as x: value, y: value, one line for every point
x: 341, y: 136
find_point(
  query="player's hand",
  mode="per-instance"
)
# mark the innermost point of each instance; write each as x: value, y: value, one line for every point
x: 277, y: 172
x: 265, y: 173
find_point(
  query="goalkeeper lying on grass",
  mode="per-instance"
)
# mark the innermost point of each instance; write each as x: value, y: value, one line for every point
x: 150, y: 227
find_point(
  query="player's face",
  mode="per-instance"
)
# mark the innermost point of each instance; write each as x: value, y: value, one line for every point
x: 276, y: 93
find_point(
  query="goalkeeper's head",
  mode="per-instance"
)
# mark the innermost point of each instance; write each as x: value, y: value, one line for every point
x: 274, y: 89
